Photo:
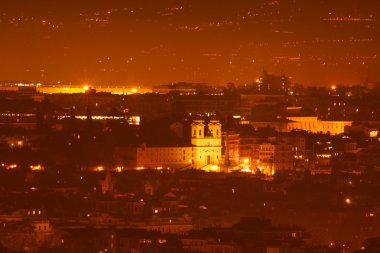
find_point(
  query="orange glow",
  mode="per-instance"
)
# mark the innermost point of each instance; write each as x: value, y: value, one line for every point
x: 324, y: 155
x: 134, y: 120
x: 246, y: 170
x: 245, y: 165
x: 211, y: 168
x: 214, y: 168
x: 36, y: 167
x: 11, y: 166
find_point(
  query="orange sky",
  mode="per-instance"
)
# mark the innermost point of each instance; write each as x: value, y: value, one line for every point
x: 154, y: 42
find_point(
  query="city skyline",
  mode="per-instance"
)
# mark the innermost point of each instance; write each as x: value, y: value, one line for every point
x: 189, y: 126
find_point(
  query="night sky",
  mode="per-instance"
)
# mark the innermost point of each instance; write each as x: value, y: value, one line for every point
x: 149, y: 42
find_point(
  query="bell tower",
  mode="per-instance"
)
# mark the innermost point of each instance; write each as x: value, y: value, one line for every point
x: 197, y: 131
x: 207, y: 144
x: 215, y: 128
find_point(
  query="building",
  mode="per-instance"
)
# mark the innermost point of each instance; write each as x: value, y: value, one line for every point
x: 298, y: 142
x: 248, y: 101
x: 179, y: 225
x: 164, y: 157
x: 275, y: 157
x: 314, y: 125
x: 231, y: 146
x: 248, y: 146
x: 203, y: 152
x: 207, y: 143
x: 208, y: 245
x: 223, y: 105
x: 307, y: 123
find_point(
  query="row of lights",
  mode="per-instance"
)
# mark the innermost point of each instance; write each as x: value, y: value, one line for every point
x: 14, y: 166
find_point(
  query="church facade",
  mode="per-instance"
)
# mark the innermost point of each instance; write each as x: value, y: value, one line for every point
x: 203, y: 152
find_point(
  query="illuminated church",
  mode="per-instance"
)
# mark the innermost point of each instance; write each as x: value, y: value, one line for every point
x: 203, y: 152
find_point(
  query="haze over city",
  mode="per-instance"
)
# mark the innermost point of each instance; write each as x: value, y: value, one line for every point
x: 121, y: 42
x: 189, y: 126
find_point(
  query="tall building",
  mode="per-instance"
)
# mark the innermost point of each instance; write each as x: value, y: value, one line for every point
x: 231, y: 148
x: 206, y: 142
